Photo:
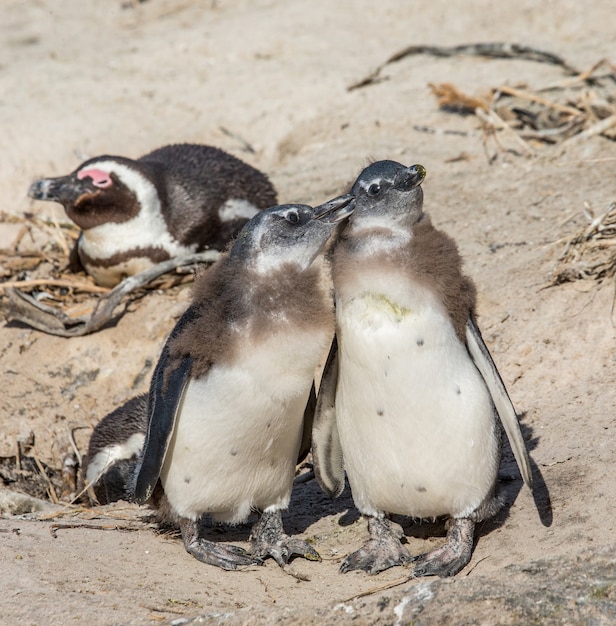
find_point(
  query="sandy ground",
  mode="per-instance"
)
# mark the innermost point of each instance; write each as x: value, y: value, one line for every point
x: 82, y: 78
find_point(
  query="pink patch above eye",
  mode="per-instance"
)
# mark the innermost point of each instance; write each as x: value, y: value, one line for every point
x: 99, y: 178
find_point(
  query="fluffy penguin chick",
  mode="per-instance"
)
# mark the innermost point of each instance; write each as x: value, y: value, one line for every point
x: 232, y: 396
x: 175, y: 200
x: 115, y: 445
x: 412, y: 410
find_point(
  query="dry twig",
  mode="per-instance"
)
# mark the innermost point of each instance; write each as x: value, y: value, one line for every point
x: 596, y: 129
x: 389, y: 585
x: 53, y: 496
x: 54, y: 528
x: 54, y: 282
x: 584, y: 111
x: 494, y: 121
x: 585, y: 76
x: 246, y: 146
x: 489, y: 50
x: 450, y: 98
x: 525, y: 95
x: 26, y: 309
x: 591, y: 252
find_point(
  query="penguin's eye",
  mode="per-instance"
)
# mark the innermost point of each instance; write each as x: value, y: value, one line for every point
x: 374, y: 189
x: 292, y: 217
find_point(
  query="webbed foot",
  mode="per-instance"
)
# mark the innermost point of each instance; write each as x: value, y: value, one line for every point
x: 221, y: 555
x: 269, y: 539
x: 452, y: 556
x: 382, y: 551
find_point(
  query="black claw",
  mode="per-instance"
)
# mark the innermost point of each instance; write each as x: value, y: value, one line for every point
x: 299, y: 547
x: 237, y: 550
x: 357, y: 561
x: 361, y: 559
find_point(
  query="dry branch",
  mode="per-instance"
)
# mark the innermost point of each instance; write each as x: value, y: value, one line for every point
x: 591, y: 252
x: 493, y: 120
x: 54, y: 528
x: 525, y: 95
x: 489, y: 50
x: 24, y: 308
x: 596, y: 129
x: 582, y: 112
x: 450, y: 98
x: 54, y: 282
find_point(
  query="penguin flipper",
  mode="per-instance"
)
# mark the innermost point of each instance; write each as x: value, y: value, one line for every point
x: 74, y: 261
x: 309, y: 412
x: 504, y: 407
x: 326, y: 448
x: 164, y: 403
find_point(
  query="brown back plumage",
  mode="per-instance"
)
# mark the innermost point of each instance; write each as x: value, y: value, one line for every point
x: 435, y: 259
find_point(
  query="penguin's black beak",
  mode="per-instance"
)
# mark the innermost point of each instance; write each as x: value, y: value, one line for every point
x: 334, y: 211
x: 65, y: 189
x: 410, y: 177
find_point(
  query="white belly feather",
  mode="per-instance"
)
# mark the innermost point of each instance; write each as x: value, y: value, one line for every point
x: 415, y: 418
x: 238, y: 433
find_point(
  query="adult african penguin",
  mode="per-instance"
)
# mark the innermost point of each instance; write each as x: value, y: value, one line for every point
x: 175, y: 200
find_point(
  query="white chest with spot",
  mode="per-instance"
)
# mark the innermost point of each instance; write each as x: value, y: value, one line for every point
x: 238, y: 433
x: 146, y: 230
x: 111, y: 276
x: 415, y: 418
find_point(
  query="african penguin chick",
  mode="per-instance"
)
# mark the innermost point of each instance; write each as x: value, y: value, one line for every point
x: 232, y: 397
x: 409, y: 392
x: 115, y: 445
x: 176, y: 200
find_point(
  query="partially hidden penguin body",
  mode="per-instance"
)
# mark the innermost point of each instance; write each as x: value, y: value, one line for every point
x: 410, y: 393
x: 232, y: 397
x: 175, y: 200
x: 115, y: 445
